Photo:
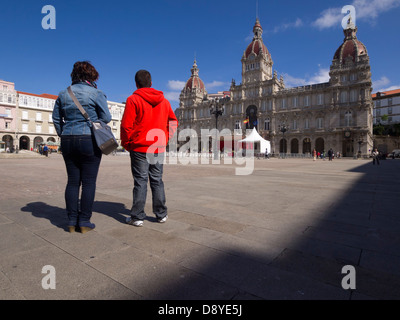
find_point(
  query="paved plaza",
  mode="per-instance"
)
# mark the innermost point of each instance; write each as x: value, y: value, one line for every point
x: 284, y: 232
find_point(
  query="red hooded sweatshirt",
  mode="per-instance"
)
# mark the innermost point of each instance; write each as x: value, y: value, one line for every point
x: 148, y: 122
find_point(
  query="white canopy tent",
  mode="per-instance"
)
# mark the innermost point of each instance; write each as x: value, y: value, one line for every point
x: 255, y: 137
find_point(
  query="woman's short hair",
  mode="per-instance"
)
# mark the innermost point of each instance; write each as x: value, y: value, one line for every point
x: 83, y: 70
x: 143, y: 79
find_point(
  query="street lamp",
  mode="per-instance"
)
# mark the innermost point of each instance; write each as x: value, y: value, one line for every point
x: 360, y: 142
x: 283, y: 128
x: 217, y: 109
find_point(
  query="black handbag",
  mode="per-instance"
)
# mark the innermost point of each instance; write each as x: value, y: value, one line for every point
x: 100, y: 130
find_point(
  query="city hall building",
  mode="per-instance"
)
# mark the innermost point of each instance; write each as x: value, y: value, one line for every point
x: 337, y: 114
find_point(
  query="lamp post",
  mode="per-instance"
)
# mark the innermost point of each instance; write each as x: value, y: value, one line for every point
x: 360, y: 142
x: 283, y: 128
x: 17, y: 143
x: 217, y: 109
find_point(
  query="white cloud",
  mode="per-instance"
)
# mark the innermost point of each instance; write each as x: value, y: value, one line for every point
x: 365, y: 10
x: 293, y: 82
x: 396, y: 87
x: 250, y: 37
x: 176, y: 84
x: 321, y: 76
x: 172, y: 96
x: 217, y: 84
x: 329, y: 17
x: 298, y: 23
x: 176, y: 87
x: 383, y: 84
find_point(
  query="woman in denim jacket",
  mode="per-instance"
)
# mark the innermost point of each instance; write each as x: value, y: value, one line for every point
x: 81, y: 154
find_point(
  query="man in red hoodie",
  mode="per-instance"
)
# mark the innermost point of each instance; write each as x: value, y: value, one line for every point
x: 146, y: 127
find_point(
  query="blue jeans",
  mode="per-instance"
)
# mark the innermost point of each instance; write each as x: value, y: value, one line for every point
x: 144, y: 167
x: 82, y: 159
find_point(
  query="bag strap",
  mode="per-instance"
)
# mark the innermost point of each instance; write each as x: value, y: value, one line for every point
x: 78, y: 104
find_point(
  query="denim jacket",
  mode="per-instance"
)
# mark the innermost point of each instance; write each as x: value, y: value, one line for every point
x: 67, y: 118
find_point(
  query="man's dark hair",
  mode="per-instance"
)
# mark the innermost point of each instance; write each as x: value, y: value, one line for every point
x: 83, y: 70
x: 143, y: 79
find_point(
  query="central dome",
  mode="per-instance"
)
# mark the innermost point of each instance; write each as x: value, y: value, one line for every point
x: 257, y: 46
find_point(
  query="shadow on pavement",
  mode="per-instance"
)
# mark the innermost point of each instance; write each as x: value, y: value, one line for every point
x: 115, y: 210
x: 58, y: 216
x: 55, y: 215
x: 360, y: 229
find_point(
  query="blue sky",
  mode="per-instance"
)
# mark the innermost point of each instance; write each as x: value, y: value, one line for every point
x: 164, y: 37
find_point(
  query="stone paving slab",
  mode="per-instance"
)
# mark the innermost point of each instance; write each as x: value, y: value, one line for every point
x: 283, y: 232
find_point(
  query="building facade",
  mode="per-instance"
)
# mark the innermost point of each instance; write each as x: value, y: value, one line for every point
x: 337, y: 114
x: 387, y: 107
x: 8, y: 113
x: 26, y: 118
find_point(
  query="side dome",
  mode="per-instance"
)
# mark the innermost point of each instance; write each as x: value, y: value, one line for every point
x: 351, y: 46
x: 194, y: 81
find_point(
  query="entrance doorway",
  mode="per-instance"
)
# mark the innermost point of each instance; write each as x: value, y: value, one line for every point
x: 283, y: 146
x: 251, y: 114
x: 36, y: 142
x: 24, y: 143
x: 307, y: 145
x: 294, y: 146
x: 348, y: 148
x: 320, y: 145
x: 8, y: 140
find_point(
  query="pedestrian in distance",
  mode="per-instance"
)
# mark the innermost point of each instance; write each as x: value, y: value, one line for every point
x: 375, y: 157
x: 314, y: 155
x: 147, y: 125
x: 81, y: 154
x: 46, y: 150
x: 266, y: 155
x: 330, y: 154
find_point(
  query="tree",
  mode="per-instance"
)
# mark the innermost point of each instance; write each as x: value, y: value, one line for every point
x: 384, y: 117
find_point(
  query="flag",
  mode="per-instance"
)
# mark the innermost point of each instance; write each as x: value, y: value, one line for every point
x: 246, y: 121
x: 255, y: 123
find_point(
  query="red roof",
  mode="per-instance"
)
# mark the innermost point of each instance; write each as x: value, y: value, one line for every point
x: 386, y: 93
x: 350, y: 47
x: 43, y: 95
x: 254, y: 47
x: 195, y: 82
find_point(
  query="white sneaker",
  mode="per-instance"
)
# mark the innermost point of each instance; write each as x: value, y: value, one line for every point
x: 163, y: 219
x: 136, y: 223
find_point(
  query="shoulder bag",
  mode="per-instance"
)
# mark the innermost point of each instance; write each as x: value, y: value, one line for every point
x: 100, y: 130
